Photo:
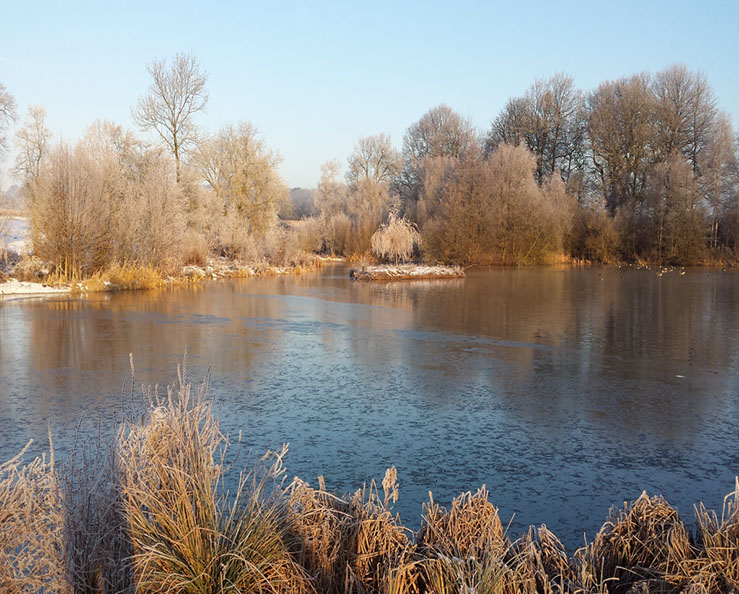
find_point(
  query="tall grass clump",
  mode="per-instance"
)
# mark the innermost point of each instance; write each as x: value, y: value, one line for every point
x: 31, y: 520
x: 188, y: 532
x: 645, y: 542
x: 718, y: 563
x: 97, y: 544
x: 542, y: 563
x: 465, y: 547
x: 160, y: 505
x: 352, y: 544
x: 125, y: 276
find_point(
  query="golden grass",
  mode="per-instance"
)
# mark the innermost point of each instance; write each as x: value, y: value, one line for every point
x: 353, y: 543
x: 123, y: 277
x: 644, y: 542
x: 717, y: 566
x: 188, y: 533
x: 541, y: 562
x: 149, y: 511
x: 31, y: 517
x: 470, y: 528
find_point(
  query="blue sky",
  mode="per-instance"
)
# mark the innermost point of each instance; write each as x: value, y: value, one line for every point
x: 315, y: 77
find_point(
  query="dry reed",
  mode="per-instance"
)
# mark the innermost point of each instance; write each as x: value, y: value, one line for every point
x: 31, y: 520
x: 149, y: 511
x: 352, y: 544
x: 717, y: 566
x: 644, y: 542
x: 189, y: 534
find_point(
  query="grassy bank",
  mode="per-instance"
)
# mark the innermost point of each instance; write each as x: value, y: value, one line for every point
x: 149, y: 511
x: 132, y: 277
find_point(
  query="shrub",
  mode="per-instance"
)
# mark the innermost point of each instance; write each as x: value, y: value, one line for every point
x: 188, y: 533
x: 396, y: 239
x: 643, y: 541
x: 31, y: 521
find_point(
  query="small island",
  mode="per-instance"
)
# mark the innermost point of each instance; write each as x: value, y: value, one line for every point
x: 404, y: 272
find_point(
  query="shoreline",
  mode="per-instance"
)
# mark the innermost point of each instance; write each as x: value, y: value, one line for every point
x: 109, y: 281
x: 148, y: 279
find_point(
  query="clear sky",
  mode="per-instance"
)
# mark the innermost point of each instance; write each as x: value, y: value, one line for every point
x: 315, y: 77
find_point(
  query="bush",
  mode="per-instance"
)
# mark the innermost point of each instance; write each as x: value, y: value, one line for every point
x: 396, y: 239
x: 594, y: 236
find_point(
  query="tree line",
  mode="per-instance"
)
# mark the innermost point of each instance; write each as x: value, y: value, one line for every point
x: 643, y: 168
x: 117, y: 198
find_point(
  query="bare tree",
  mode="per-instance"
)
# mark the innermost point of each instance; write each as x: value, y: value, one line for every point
x: 374, y: 158
x: 432, y: 174
x: 622, y: 131
x: 67, y: 213
x: 462, y: 229
x: 7, y: 115
x: 718, y: 165
x: 511, y: 126
x: 32, y: 142
x: 686, y: 111
x: 673, y: 229
x: 177, y: 92
x: 550, y: 120
x: 441, y: 132
x: 330, y: 196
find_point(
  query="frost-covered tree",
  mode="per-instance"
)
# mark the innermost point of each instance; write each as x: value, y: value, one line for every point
x: 7, y: 115
x: 396, y: 239
x: 177, y: 92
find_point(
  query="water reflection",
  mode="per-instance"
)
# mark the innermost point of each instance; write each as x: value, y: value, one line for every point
x: 565, y: 391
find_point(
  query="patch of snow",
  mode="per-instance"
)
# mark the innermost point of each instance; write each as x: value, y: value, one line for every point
x: 16, y: 287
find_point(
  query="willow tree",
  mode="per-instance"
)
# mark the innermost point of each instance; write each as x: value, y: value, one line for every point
x: 177, y: 92
x: 396, y: 239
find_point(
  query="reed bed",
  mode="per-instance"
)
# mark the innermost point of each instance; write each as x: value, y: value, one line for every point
x: 148, y: 510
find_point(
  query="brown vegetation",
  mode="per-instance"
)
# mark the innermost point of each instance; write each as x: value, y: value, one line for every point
x: 643, y: 168
x: 116, y: 210
x: 640, y: 169
x: 150, y: 511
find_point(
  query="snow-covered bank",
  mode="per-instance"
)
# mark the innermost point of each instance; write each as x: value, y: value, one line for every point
x: 405, y: 271
x: 16, y: 287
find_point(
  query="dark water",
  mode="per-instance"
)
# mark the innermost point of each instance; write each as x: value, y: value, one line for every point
x: 563, y: 391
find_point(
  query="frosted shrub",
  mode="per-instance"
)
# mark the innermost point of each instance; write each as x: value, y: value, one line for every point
x: 395, y: 239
